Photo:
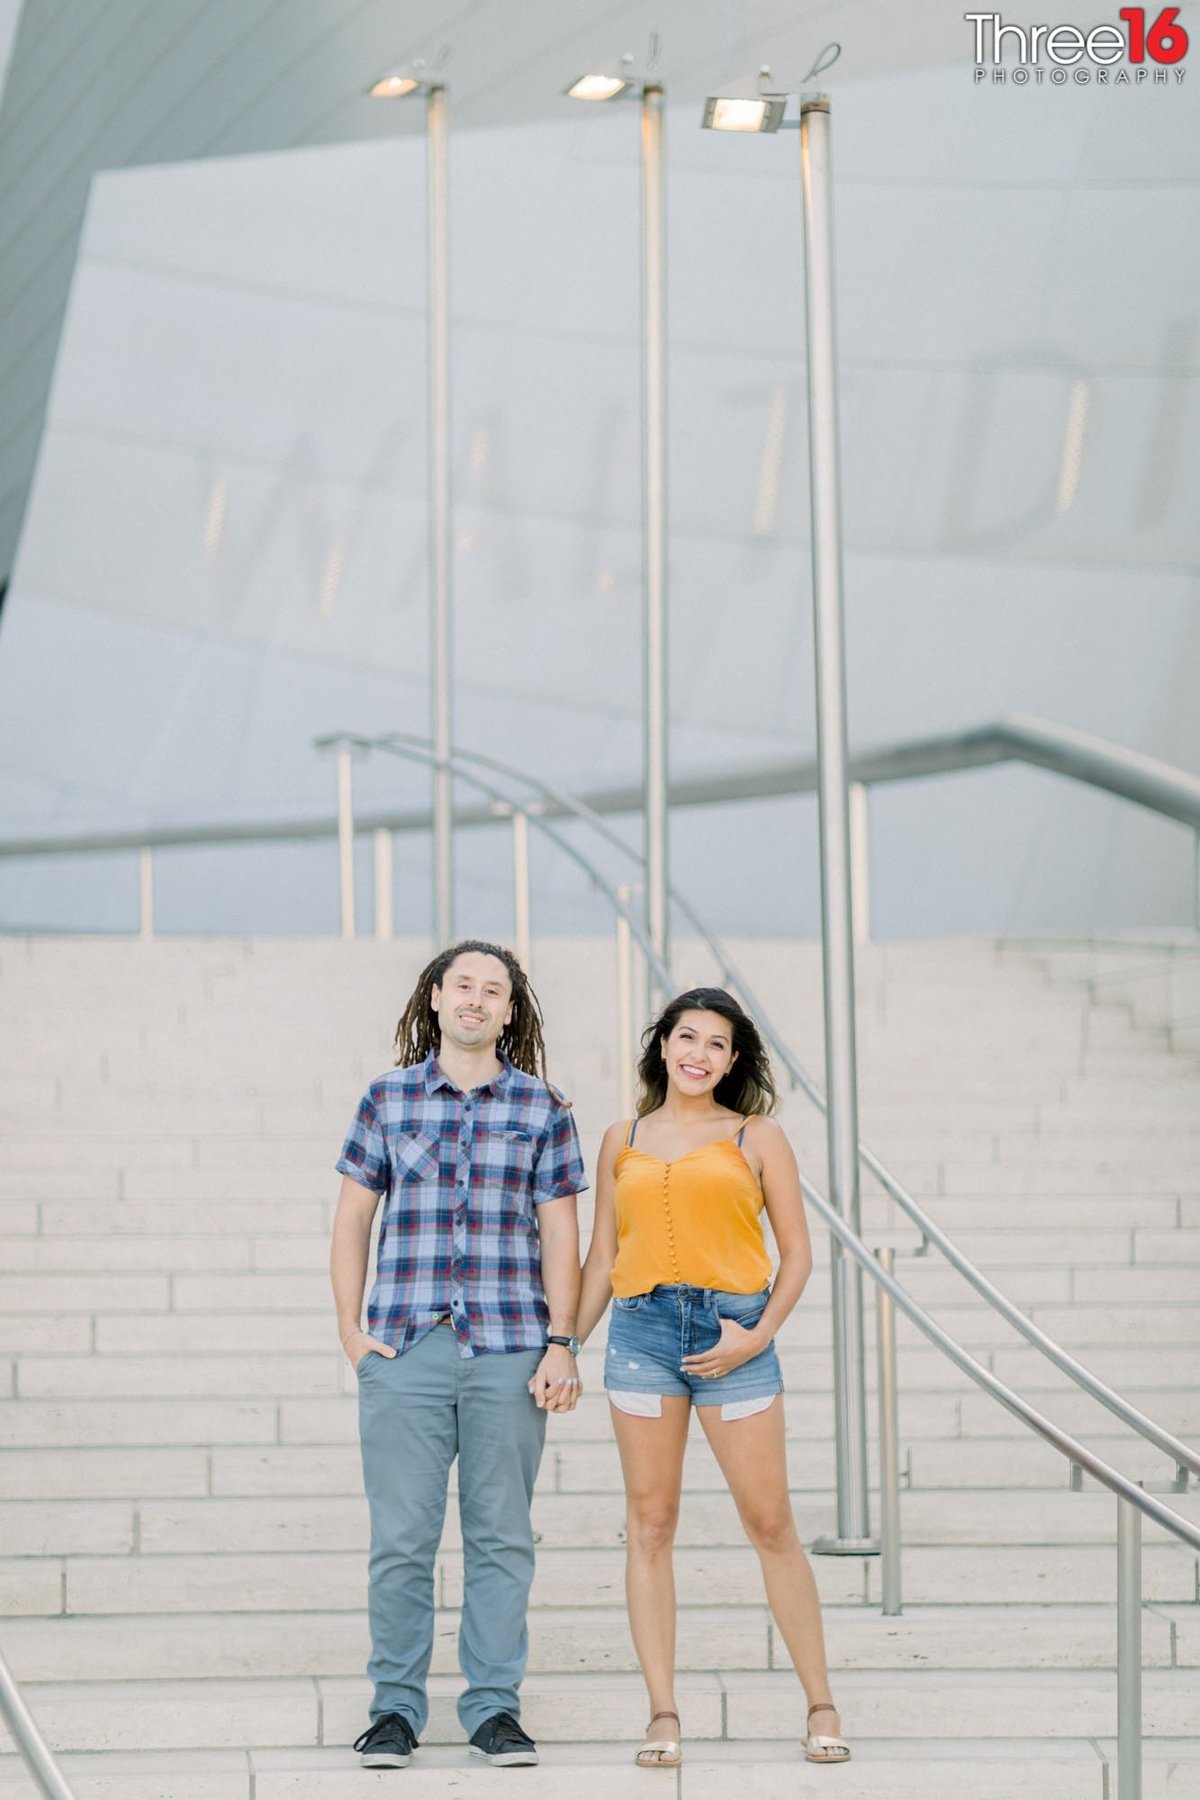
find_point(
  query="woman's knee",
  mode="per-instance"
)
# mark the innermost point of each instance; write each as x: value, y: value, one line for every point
x: 771, y: 1529
x: 651, y: 1522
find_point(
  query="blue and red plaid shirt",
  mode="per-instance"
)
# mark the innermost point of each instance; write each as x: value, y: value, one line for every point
x: 463, y: 1175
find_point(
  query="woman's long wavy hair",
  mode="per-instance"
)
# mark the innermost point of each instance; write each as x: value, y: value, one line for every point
x: 521, y: 1040
x: 747, y: 1086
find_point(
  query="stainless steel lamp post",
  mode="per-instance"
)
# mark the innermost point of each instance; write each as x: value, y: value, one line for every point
x: 440, y: 599
x: 399, y: 84
x: 837, y: 915
x: 654, y: 527
x: 751, y: 106
x: 622, y: 79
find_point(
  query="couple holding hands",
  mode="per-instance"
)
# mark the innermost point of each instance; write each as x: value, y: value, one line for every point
x: 479, y: 1307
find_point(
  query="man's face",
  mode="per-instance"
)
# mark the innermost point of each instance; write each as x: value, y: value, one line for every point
x: 474, y: 1002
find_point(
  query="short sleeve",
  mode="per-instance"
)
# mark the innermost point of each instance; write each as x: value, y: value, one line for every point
x: 365, y: 1154
x: 559, y: 1168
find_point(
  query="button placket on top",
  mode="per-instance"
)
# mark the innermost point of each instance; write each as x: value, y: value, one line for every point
x: 671, y: 1250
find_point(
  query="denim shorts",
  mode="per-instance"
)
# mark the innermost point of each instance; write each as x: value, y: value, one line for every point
x: 650, y: 1334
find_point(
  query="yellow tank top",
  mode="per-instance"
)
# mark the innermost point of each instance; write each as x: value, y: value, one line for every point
x: 694, y: 1220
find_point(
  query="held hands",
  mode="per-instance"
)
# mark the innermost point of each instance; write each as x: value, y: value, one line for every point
x: 556, y: 1386
x: 735, y: 1346
x: 358, y: 1344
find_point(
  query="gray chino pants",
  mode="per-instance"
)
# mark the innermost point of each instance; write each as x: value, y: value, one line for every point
x: 416, y: 1413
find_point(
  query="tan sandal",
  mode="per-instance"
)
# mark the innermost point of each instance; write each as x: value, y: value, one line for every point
x: 824, y: 1749
x: 660, y: 1753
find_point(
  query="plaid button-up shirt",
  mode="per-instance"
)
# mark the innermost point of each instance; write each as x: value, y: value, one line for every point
x: 462, y: 1176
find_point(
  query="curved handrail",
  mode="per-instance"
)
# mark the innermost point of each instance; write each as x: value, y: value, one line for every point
x: 1181, y: 1453
x: 404, y: 744
x: 1070, y: 1447
x: 1129, y: 774
x: 1149, y: 1504
x: 35, y: 1752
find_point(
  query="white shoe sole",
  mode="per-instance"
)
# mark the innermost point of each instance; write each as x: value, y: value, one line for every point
x: 507, y: 1759
x: 384, y: 1759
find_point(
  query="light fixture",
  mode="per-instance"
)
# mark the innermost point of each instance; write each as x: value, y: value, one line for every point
x: 606, y: 83
x: 726, y: 112
x: 415, y: 77
x: 745, y: 106
x: 596, y: 87
x: 394, y: 87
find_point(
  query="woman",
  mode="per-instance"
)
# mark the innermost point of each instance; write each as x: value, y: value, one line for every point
x: 678, y: 1243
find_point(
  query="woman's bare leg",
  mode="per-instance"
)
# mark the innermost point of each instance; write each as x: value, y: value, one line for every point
x: 753, y: 1460
x: 652, y: 1462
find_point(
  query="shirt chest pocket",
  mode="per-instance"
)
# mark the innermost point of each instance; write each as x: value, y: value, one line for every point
x: 416, y: 1157
x: 505, y: 1158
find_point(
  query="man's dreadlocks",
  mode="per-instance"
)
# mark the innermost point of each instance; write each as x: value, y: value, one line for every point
x: 521, y: 1040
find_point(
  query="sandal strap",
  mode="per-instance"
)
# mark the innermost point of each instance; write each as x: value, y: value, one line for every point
x: 664, y: 1715
x: 822, y: 1706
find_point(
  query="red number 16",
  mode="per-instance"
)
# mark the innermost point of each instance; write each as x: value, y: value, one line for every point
x: 1167, y: 42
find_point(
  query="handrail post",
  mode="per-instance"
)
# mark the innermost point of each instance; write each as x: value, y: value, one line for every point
x: 29, y: 1740
x: 860, y: 862
x: 521, y: 902
x: 146, y: 891
x: 385, y: 911
x: 625, y: 1052
x: 345, y: 783
x: 1129, y: 1650
x: 889, y: 1440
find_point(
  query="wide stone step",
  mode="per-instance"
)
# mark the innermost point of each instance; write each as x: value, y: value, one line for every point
x: 727, y: 1575
x: 1046, y: 1245
x: 258, y: 1506
x: 1157, y: 1176
x: 190, y: 1646
x: 910, y: 1707
x: 1031, y: 1251
x: 939, y: 1458
x: 987, y: 1769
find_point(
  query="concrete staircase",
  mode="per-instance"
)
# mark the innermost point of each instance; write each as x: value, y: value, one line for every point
x: 182, y: 1533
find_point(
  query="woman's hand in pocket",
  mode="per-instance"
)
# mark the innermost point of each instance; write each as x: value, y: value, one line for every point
x: 734, y: 1347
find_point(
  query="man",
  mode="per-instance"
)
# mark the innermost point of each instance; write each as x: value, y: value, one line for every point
x: 470, y: 1331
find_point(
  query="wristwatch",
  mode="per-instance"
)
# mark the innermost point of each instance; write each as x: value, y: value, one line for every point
x: 569, y: 1343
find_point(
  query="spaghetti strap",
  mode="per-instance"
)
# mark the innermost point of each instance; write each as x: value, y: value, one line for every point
x: 632, y: 1132
x: 741, y: 1134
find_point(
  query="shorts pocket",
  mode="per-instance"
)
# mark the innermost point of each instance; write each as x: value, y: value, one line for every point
x: 743, y: 1309
x: 629, y: 1302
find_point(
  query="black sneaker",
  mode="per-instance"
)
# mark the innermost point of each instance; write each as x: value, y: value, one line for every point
x: 388, y: 1743
x: 500, y: 1740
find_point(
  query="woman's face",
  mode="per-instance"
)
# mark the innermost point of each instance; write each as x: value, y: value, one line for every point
x: 698, y: 1053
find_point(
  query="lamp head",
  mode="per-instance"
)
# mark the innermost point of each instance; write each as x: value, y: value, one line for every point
x: 606, y: 83
x: 745, y: 105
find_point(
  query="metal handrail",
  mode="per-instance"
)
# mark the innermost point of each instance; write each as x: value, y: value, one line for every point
x: 1129, y: 774
x: 1184, y: 1457
x: 1134, y: 1501
x: 35, y: 1752
x: 1076, y: 1453
x: 420, y: 751
x: 1121, y: 1485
